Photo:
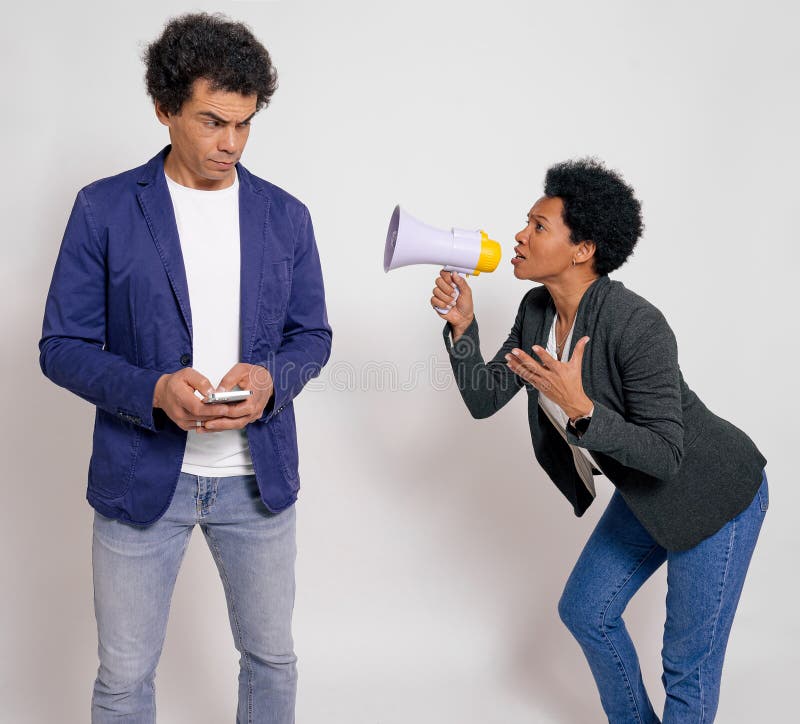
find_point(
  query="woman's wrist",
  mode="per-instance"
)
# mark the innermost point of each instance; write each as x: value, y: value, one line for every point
x: 584, y: 408
x: 457, y: 331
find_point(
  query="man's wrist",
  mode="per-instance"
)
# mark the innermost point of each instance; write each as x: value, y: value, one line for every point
x: 158, y: 392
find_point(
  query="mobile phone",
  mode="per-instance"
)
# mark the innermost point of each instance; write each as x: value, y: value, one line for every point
x: 231, y: 396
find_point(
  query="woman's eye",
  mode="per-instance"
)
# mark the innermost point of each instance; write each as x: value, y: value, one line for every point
x: 539, y: 226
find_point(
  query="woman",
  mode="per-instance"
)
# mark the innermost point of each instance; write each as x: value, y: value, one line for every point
x: 606, y: 394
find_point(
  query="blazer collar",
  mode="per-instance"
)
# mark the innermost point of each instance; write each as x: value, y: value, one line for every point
x: 156, y: 204
x: 588, y: 308
x: 254, y: 225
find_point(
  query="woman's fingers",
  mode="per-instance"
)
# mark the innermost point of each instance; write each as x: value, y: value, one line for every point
x: 520, y: 370
x: 456, y: 297
x: 443, y: 285
x: 459, y: 281
x: 547, y: 359
x: 451, y: 279
x: 526, y: 359
x: 445, y: 291
x: 439, y: 303
x: 445, y: 296
x: 524, y: 365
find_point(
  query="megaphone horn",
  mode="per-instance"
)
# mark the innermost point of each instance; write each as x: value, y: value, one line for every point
x: 410, y: 241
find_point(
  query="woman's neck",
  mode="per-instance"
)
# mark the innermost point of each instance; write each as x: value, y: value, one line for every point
x: 567, y: 296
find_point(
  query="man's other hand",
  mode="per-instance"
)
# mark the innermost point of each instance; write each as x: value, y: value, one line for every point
x: 239, y: 414
x: 175, y: 394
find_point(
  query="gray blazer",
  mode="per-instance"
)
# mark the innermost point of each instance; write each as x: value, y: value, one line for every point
x: 683, y: 471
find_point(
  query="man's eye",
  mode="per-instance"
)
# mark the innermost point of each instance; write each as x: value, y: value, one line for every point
x: 539, y: 226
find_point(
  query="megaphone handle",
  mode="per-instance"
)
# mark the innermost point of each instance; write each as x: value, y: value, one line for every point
x: 456, y: 293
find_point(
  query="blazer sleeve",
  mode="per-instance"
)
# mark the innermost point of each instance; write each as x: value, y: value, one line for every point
x: 485, y: 386
x: 306, y: 342
x: 649, y: 436
x: 72, y: 347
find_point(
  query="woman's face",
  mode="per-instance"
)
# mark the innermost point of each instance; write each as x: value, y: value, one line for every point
x: 544, y: 250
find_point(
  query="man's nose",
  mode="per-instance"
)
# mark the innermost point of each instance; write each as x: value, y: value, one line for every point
x: 520, y: 237
x: 227, y: 140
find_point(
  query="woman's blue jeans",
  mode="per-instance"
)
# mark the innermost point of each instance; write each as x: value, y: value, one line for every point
x: 703, y: 588
x: 134, y: 576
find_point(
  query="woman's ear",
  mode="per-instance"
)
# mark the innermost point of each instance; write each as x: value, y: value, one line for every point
x: 585, y: 251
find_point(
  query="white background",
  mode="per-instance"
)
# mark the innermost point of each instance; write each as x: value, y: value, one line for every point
x: 432, y: 548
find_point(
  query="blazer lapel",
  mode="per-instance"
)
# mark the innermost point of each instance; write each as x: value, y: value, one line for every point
x: 585, y: 319
x: 253, y: 225
x: 587, y: 310
x: 156, y: 205
x: 547, y: 321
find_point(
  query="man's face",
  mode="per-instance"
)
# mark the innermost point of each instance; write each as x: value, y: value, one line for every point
x: 208, y: 136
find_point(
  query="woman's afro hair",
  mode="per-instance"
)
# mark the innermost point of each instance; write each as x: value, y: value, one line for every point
x: 598, y: 206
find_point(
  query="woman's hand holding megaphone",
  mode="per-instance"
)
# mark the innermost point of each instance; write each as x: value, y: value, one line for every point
x: 459, y: 310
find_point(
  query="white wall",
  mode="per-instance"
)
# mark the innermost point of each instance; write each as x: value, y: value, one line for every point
x: 428, y: 580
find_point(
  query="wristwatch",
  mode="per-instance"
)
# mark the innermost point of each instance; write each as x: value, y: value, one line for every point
x: 581, y: 424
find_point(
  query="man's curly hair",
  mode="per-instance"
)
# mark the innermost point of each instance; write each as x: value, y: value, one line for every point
x: 598, y: 206
x: 200, y: 45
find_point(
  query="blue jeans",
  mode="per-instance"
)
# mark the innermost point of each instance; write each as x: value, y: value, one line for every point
x: 703, y: 588
x: 134, y: 575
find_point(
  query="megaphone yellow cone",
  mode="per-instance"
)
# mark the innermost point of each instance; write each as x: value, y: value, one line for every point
x: 491, y: 252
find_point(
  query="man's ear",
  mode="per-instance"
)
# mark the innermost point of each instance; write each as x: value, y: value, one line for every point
x: 161, y: 114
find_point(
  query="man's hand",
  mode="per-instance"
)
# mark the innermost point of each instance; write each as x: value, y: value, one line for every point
x: 237, y: 415
x: 175, y: 394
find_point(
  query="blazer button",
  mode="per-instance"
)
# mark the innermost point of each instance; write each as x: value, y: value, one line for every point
x: 185, y: 360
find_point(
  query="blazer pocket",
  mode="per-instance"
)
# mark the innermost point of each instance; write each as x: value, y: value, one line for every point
x: 275, y: 291
x: 283, y: 432
x: 115, y: 452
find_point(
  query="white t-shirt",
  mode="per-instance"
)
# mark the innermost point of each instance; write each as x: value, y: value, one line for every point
x: 208, y: 227
x: 582, y: 457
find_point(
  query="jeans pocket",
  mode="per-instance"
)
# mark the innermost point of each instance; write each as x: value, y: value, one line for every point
x: 763, y: 495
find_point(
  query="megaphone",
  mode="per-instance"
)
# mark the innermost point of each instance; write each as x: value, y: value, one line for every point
x: 410, y: 241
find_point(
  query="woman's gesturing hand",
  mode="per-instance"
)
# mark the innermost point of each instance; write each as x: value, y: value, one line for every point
x: 458, y: 311
x: 559, y: 381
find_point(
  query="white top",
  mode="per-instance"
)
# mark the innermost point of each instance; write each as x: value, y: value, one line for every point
x: 208, y: 227
x: 582, y: 457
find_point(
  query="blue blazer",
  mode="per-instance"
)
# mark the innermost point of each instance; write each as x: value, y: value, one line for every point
x: 117, y: 317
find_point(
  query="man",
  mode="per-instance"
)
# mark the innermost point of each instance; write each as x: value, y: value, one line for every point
x: 185, y: 276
